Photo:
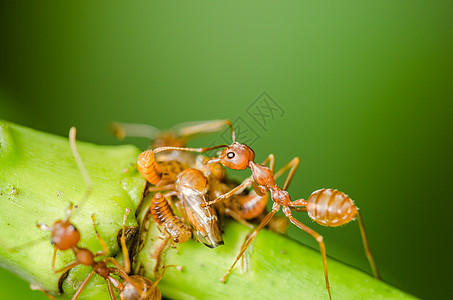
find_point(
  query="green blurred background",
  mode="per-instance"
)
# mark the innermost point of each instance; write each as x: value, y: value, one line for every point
x: 364, y: 92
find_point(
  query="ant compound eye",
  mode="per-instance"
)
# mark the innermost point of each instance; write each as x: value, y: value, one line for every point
x: 230, y: 155
x: 176, y: 240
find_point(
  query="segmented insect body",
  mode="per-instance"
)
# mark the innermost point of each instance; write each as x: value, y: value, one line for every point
x: 172, y: 224
x: 191, y: 186
x: 158, y: 173
x: 330, y: 207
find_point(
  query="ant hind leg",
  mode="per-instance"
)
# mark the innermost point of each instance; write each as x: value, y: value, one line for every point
x: 317, y: 237
x: 366, y: 247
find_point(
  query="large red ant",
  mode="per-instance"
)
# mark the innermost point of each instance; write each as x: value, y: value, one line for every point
x: 240, y: 156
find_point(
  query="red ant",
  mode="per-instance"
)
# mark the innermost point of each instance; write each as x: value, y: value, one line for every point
x: 240, y: 156
x: 161, y: 169
x: 66, y: 236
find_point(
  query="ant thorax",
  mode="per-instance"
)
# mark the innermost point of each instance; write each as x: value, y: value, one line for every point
x: 262, y: 175
x: 280, y: 196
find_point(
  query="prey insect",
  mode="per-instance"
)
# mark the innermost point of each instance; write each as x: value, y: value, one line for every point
x: 239, y: 157
x: 191, y: 188
x: 161, y: 168
x: 173, y: 173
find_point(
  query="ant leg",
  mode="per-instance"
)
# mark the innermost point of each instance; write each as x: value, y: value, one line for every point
x: 105, y: 248
x: 180, y: 209
x: 187, y: 131
x: 161, y: 188
x: 53, y: 257
x: 366, y: 246
x: 111, y: 292
x: 80, y: 165
x: 36, y: 287
x: 158, y: 278
x: 251, y: 237
x: 269, y: 160
x: 69, y: 211
x: 120, y: 269
x: 246, y: 183
x: 122, y: 130
x: 127, y: 261
x: 292, y: 166
x: 68, y: 267
x: 158, y: 254
x: 238, y: 218
x: 317, y: 237
x: 82, y: 286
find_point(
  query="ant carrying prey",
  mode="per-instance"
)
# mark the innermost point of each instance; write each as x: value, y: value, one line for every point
x: 327, y: 207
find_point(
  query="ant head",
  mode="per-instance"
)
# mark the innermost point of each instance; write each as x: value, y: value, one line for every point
x: 237, y: 156
x: 65, y: 235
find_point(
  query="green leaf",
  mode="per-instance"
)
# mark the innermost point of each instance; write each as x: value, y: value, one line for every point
x: 39, y: 178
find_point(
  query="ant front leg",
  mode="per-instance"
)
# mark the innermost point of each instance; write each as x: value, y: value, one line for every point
x: 292, y: 166
x: 269, y: 160
x: 105, y: 248
x: 36, y: 287
x: 251, y: 237
x: 83, y: 285
x: 239, y: 189
x: 161, y: 188
x: 238, y: 218
x: 127, y: 261
x: 68, y: 267
x: 317, y: 237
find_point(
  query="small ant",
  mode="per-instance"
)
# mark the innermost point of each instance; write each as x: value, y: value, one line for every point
x: 240, y: 156
x: 65, y: 236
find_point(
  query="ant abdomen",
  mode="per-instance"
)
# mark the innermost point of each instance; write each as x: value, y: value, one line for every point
x: 329, y: 207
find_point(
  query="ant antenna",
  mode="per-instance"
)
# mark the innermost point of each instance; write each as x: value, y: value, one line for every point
x: 163, y: 271
x: 233, y: 135
x: 122, y: 130
x: 201, y: 150
x: 80, y: 165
